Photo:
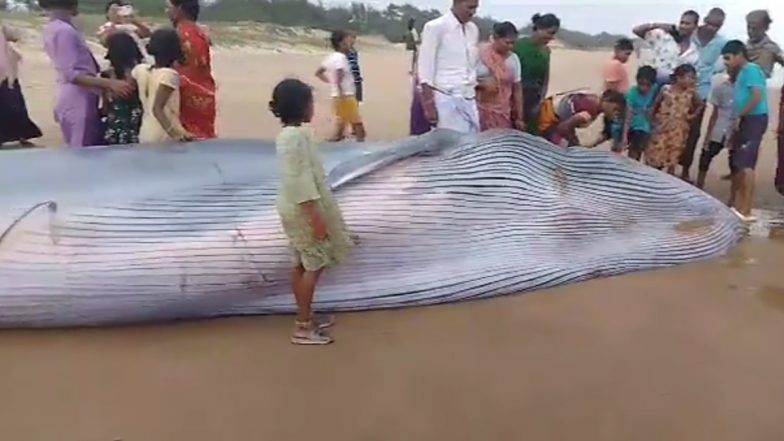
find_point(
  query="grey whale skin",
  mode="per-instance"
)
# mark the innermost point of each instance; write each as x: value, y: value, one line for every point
x: 120, y: 234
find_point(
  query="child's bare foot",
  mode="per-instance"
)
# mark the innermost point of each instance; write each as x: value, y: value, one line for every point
x: 308, y: 334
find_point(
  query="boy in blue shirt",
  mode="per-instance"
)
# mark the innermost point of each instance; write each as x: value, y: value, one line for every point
x: 639, y: 100
x: 749, y: 123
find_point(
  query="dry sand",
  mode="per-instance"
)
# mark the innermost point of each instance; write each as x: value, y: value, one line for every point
x: 690, y: 353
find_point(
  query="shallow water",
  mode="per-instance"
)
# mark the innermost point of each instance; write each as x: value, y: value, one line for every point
x: 770, y: 224
x: 772, y: 296
x: 765, y: 243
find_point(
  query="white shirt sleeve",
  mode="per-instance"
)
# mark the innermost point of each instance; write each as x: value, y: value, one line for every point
x: 517, y: 69
x: 335, y: 62
x: 427, y: 54
x: 170, y: 78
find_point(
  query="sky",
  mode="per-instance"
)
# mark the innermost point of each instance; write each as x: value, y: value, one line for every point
x: 614, y: 16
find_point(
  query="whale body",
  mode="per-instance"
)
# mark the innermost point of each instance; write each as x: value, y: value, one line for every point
x: 127, y: 234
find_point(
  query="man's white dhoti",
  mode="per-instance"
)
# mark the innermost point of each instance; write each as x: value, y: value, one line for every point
x: 456, y: 113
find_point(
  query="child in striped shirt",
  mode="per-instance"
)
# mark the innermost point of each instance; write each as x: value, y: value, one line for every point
x: 353, y: 62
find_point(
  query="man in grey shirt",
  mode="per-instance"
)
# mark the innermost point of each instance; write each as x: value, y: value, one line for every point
x: 721, y: 100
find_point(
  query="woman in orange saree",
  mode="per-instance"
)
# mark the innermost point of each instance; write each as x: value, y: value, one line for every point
x: 197, y: 86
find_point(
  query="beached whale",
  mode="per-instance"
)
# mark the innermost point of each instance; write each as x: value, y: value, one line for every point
x: 132, y: 234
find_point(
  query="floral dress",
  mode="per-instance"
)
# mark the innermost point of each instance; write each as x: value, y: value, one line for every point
x: 303, y: 179
x: 670, y: 127
x: 122, y: 117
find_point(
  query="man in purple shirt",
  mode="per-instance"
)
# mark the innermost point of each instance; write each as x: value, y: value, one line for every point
x: 78, y: 84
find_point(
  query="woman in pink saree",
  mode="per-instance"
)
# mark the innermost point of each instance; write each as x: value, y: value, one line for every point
x: 499, y: 90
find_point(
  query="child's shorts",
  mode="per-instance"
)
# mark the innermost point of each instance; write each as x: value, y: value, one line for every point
x: 746, y: 143
x: 638, y: 141
x: 347, y: 110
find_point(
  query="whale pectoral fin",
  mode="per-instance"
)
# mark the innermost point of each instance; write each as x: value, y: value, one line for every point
x: 51, y: 207
x: 54, y: 224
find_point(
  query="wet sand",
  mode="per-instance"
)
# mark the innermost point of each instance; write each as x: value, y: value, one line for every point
x: 688, y: 353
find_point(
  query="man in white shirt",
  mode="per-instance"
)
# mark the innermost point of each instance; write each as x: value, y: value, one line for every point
x: 447, y: 62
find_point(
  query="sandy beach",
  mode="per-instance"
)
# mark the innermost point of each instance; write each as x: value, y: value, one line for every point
x: 689, y: 353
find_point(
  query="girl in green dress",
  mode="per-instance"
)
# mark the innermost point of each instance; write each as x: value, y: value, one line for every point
x: 308, y: 211
x: 122, y: 116
x: 535, y: 62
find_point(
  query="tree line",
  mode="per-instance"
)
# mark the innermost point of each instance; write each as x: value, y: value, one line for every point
x: 389, y: 22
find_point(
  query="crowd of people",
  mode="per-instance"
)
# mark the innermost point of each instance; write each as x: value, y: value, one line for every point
x: 159, y: 88
x: 684, y: 68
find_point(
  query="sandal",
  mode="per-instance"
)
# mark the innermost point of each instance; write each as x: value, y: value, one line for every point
x: 323, y: 321
x: 306, y: 333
